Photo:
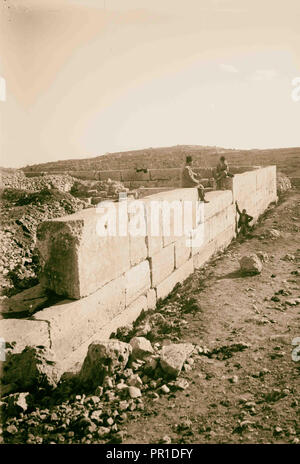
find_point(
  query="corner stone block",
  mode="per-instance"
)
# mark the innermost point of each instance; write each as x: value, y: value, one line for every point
x: 76, y: 258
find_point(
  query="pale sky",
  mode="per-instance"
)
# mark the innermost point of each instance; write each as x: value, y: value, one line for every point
x: 85, y: 77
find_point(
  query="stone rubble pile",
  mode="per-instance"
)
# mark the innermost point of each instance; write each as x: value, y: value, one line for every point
x: 99, y: 190
x: 19, y: 181
x: 116, y: 378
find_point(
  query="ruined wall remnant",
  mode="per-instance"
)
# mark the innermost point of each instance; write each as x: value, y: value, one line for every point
x: 108, y: 280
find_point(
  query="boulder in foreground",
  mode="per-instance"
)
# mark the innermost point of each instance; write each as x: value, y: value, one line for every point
x: 31, y: 369
x: 251, y: 264
x: 104, y: 358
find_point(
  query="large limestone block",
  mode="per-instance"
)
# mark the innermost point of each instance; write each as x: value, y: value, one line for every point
x: 79, y: 255
x: 153, y: 217
x: 25, y: 332
x: 204, y: 254
x: 138, y: 249
x: 71, y: 323
x: 224, y: 238
x: 137, y: 229
x: 182, y: 251
x: 137, y: 281
x: 162, y: 264
x: 178, y: 213
x: 218, y: 201
x: 178, y: 276
x: 200, y: 237
x: 151, y: 298
x: 217, y: 224
x: 244, y: 184
x: 126, y: 317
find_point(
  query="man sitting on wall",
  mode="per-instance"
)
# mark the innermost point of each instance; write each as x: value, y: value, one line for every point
x: 222, y: 172
x: 189, y: 179
x: 244, y: 221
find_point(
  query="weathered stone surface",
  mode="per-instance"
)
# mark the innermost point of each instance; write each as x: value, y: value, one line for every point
x: 141, y: 347
x: 32, y: 368
x: 162, y: 264
x: 251, y: 264
x: 178, y: 276
x: 151, y: 298
x: 128, y: 316
x: 79, y: 255
x: 173, y: 357
x: 137, y: 281
x: 73, y: 322
x: 182, y: 251
x: 104, y: 358
x: 24, y: 332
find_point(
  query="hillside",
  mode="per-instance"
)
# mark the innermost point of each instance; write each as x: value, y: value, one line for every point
x: 287, y: 159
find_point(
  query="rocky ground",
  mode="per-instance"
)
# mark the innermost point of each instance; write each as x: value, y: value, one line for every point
x: 214, y: 363
x: 24, y: 204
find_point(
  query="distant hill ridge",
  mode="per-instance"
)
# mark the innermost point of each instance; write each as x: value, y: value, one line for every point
x: 287, y: 159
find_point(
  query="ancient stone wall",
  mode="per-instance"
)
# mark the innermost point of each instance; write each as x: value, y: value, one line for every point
x: 108, y: 280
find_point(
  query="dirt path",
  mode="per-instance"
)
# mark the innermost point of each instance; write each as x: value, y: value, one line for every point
x: 252, y: 396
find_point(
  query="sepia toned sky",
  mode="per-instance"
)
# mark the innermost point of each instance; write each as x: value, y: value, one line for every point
x: 85, y: 77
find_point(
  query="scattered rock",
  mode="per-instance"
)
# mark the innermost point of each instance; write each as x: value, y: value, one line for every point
x: 141, y: 347
x: 251, y: 264
x: 181, y: 384
x: 173, y: 357
x: 164, y: 389
x: 273, y: 233
x: 134, y: 392
x: 166, y: 439
x: 134, y: 380
x: 264, y: 257
x: 99, y: 391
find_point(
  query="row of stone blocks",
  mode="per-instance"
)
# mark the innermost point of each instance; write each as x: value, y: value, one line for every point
x: 70, y: 326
